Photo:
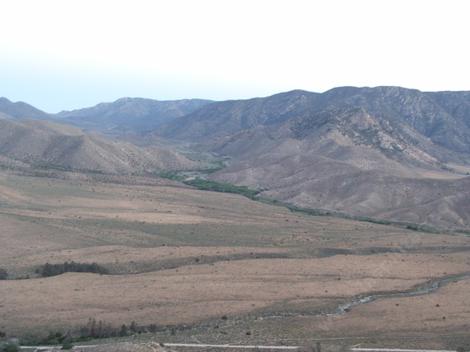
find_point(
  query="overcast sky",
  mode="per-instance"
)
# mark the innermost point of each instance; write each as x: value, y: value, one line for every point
x: 63, y: 54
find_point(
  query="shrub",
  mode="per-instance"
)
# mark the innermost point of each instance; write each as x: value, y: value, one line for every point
x: 10, y: 347
x: 124, y: 330
x: 97, y: 329
x: 133, y: 327
x: 56, y: 269
x: 54, y: 338
x: 208, y: 185
x: 171, y: 175
x: 3, y: 274
x: 67, y: 345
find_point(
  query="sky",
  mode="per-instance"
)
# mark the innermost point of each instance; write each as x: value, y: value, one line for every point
x: 65, y: 54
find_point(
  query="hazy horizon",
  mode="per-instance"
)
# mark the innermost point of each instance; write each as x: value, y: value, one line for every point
x: 215, y: 100
x: 66, y: 58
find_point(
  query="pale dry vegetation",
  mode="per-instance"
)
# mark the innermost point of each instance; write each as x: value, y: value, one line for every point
x: 178, y: 256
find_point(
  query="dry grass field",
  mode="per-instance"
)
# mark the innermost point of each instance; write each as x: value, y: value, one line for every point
x: 183, y: 257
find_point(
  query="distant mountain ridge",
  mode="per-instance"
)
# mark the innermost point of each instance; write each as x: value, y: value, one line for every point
x: 130, y: 115
x: 125, y: 115
x: 21, y: 110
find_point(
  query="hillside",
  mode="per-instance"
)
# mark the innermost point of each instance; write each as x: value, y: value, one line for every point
x: 45, y: 144
x: 441, y: 117
x: 130, y: 115
x: 385, y: 152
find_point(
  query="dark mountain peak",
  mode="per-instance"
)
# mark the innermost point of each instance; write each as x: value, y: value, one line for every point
x: 130, y: 99
x: 138, y: 100
x: 343, y: 91
x: 384, y: 91
x: 135, y: 100
x: 21, y: 110
x: 294, y: 93
x: 293, y: 96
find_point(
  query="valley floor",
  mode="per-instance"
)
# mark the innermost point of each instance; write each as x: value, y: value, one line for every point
x: 219, y: 268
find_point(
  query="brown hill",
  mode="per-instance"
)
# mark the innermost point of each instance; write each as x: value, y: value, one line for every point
x: 49, y: 145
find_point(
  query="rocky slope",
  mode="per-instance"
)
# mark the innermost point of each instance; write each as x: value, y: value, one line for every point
x: 385, y: 152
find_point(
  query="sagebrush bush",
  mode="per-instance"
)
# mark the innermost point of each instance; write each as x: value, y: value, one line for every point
x: 9, y: 347
x: 56, y: 269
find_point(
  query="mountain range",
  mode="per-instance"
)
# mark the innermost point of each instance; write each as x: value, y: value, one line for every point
x: 130, y: 115
x: 383, y: 152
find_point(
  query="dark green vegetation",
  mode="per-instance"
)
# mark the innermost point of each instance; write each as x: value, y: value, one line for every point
x: 323, y: 212
x: 99, y: 329
x: 215, y: 186
x: 9, y: 347
x: 67, y: 345
x: 93, y: 329
x: 171, y: 175
x: 56, y: 269
x: 208, y: 185
x: 3, y: 274
x: 225, y: 187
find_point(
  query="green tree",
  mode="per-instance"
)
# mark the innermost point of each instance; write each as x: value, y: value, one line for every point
x: 133, y: 327
x: 10, y: 347
x: 124, y: 330
x: 67, y: 345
